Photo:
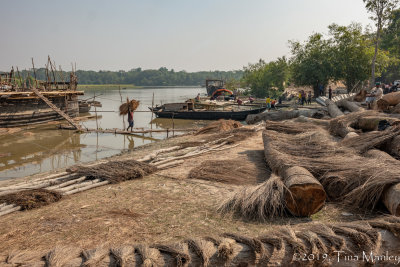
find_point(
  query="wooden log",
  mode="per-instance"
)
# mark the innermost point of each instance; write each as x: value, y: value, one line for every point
x: 279, y: 115
x: 305, y: 195
x: 333, y: 109
x: 170, y: 164
x: 391, y: 196
x: 8, y: 211
x: 393, y: 146
x: 350, y: 106
x: 371, y: 123
x: 74, y: 181
x: 80, y: 185
x: 157, y: 152
x: 34, y: 185
x: 6, y: 207
x: 391, y: 199
x: 77, y: 190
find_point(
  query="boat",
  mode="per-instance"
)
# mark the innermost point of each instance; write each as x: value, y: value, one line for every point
x: 25, y: 101
x: 187, y: 111
x: 84, y: 106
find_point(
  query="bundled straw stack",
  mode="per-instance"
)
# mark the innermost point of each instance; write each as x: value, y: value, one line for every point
x: 129, y: 105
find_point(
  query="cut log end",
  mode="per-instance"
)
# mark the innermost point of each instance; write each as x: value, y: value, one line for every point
x: 305, y: 200
x: 305, y: 195
x: 391, y: 199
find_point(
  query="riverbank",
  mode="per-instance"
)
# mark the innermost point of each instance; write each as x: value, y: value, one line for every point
x: 163, y: 207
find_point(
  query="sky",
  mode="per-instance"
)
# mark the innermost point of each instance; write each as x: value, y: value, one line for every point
x: 190, y: 35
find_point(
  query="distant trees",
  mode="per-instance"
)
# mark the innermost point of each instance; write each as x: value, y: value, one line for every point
x: 139, y: 77
x: 266, y: 79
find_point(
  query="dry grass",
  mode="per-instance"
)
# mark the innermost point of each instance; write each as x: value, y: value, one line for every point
x: 31, y: 199
x: 259, y: 203
x: 129, y: 105
x: 337, y: 168
x: 115, y: 171
x: 219, y: 126
x: 236, y: 171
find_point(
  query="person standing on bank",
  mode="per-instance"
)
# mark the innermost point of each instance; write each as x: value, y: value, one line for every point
x: 330, y: 92
x: 130, y: 119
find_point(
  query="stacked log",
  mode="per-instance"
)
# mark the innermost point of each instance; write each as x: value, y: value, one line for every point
x: 305, y: 195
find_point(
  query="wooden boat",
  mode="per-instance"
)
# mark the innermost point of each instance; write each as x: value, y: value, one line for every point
x: 187, y: 111
x: 23, y: 104
x: 84, y: 106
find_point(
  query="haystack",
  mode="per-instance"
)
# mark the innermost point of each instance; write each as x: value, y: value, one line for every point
x: 31, y: 199
x: 219, y: 126
x: 129, y: 105
x: 115, y: 171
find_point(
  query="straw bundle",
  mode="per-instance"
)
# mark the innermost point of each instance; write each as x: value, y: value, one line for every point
x: 129, y: 105
x: 219, y: 126
x: 31, y: 199
x: 227, y: 171
x: 260, y: 203
x: 115, y: 171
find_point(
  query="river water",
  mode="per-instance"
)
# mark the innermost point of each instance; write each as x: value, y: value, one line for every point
x: 42, y: 148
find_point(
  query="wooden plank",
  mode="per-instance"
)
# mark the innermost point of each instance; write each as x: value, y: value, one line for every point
x: 55, y: 108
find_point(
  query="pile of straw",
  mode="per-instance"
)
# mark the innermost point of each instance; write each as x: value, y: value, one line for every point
x: 344, y: 174
x: 227, y: 171
x: 31, y: 199
x: 115, y: 171
x: 259, y: 203
x: 219, y: 126
x: 130, y: 104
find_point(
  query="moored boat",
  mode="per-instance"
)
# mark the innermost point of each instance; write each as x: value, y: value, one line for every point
x: 24, y: 101
x: 187, y: 111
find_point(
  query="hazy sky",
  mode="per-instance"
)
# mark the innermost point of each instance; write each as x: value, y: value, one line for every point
x: 186, y: 35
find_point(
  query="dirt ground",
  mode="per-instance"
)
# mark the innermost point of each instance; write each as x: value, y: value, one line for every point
x: 160, y: 208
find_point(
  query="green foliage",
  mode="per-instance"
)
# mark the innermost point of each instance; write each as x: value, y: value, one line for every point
x: 312, y: 62
x: 381, y: 11
x: 391, y: 43
x: 351, y: 50
x: 266, y: 79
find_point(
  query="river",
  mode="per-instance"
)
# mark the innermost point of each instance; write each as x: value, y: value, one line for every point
x: 36, y: 149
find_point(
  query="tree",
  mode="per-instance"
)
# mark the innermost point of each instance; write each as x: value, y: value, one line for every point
x: 312, y: 62
x: 391, y: 43
x: 381, y: 11
x: 266, y: 79
x: 351, y: 54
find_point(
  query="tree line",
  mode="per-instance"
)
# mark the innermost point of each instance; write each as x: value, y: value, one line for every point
x: 139, y: 77
x: 347, y: 53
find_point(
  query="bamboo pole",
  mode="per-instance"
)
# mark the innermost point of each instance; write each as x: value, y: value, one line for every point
x: 10, y: 211
x: 74, y: 181
x: 34, y: 72
x: 123, y: 116
x: 95, y: 111
x: 77, y: 190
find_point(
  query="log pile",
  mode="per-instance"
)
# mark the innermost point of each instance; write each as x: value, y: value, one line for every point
x: 280, y: 246
x: 344, y: 173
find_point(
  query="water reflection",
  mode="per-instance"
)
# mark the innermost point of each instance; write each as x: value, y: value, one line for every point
x: 44, y: 148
